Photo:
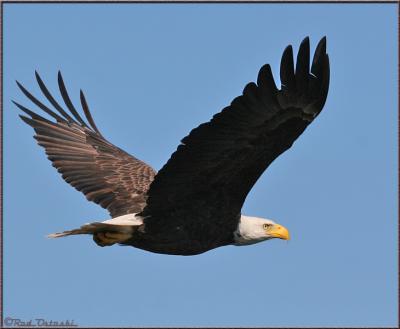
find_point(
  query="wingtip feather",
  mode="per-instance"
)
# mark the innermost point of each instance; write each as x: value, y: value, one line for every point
x: 287, y: 68
x: 306, y: 39
x: 27, y: 120
x: 319, y: 55
x: 265, y: 79
x: 20, y: 86
x: 303, y: 65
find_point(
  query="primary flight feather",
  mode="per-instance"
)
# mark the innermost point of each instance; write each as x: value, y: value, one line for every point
x: 193, y: 204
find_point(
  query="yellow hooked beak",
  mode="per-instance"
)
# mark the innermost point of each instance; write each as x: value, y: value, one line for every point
x: 278, y: 231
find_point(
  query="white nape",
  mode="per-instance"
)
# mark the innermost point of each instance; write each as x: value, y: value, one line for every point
x: 250, y: 230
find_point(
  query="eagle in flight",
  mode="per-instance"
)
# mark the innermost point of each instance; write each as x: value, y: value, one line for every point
x: 193, y: 204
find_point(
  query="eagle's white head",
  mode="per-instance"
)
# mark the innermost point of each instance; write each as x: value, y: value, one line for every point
x: 254, y: 229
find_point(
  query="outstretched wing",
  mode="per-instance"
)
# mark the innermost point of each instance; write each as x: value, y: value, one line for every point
x: 106, y: 174
x: 218, y: 163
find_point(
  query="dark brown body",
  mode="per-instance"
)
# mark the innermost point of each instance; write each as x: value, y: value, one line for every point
x: 181, y: 240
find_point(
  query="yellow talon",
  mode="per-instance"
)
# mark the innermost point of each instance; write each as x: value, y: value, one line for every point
x: 109, y: 238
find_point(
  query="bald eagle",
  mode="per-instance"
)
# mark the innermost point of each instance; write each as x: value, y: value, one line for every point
x: 193, y: 204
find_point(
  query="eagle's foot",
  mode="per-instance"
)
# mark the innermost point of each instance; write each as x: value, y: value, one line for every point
x: 104, y: 239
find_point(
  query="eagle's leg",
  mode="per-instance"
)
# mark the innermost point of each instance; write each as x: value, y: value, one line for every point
x: 104, y: 239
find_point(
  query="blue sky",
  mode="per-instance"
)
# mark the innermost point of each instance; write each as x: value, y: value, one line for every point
x: 151, y: 73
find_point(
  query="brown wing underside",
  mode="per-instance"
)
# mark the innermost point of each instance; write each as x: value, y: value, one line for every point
x: 104, y: 173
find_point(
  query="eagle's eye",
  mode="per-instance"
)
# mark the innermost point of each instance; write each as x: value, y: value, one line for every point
x: 266, y: 226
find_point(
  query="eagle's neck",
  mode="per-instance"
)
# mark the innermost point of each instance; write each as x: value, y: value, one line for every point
x: 249, y: 231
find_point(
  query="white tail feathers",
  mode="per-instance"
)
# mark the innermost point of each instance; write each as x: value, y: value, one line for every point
x: 126, y: 224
